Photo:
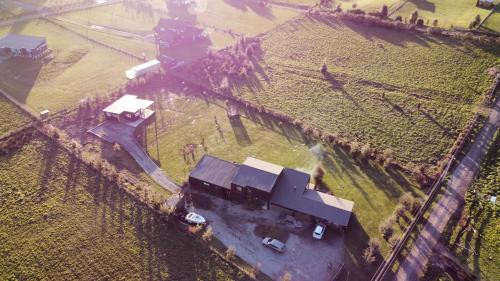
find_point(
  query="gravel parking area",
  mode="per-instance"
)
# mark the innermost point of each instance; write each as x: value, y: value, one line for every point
x: 305, y: 258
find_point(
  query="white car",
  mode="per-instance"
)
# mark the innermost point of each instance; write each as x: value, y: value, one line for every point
x: 194, y: 218
x: 319, y: 230
x: 274, y: 244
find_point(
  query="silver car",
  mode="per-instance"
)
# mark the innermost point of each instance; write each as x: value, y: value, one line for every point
x: 274, y: 244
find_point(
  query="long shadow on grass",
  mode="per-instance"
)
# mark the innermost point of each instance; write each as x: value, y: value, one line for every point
x: 22, y: 73
x: 50, y: 154
x: 262, y: 10
x: 240, y: 132
x: 72, y: 176
x: 356, y: 241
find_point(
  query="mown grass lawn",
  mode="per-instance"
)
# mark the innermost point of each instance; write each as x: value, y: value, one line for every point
x: 79, y: 69
x: 11, y: 117
x: 61, y: 221
x: 482, y: 238
x: 182, y: 121
x: 398, y: 90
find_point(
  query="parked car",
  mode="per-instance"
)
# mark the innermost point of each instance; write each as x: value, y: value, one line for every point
x: 274, y: 244
x: 194, y: 218
x: 319, y: 230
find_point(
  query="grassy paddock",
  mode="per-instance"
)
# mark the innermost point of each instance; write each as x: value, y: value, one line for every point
x: 11, y: 116
x: 398, y: 90
x: 61, y: 221
x: 79, y: 69
x: 183, y: 121
x: 492, y: 23
x: 447, y: 12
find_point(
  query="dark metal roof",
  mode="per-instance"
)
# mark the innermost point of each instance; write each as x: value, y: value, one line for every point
x: 291, y: 192
x: 215, y: 171
x: 255, y: 178
x: 14, y: 41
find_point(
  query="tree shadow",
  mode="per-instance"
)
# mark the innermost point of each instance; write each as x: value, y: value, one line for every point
x: 356, y: 241
x: 264, y: 11
x: 424, y: 5
x: 240, y: 132
x: 72, y: 177
x: 50, y: 154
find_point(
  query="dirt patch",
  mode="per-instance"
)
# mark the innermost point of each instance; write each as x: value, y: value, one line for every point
x: 265, y: 230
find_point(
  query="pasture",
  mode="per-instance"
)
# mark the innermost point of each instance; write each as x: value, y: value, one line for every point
x: 76, y: 70
x: 62, y: 221
x: 396, y: 90
x: 203, y: 124
x: 492, y: 23
x: 11, y: 117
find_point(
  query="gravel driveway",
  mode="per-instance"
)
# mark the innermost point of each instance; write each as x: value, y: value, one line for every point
x: 305, y: 258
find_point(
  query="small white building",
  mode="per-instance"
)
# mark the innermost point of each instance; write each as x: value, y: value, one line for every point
x: 129, y: 107
x: 142, y: 69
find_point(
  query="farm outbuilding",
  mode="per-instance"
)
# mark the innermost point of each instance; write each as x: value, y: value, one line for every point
x: 24, y: 46
x: 130, y: 108
x: 262, y: 182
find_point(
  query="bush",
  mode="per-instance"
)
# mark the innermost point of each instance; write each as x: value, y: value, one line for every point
x: 355, y: 147
x: 318, y: 173
x: 366, y: 151
x: 356, y: 11
x: 385, y: 11
x: 372, y: 252
x: 385, y: 227
x: 230, y: 252
x: 207, y: 235
x: 393, y: 241
x: 414, y: 17
x: 399, y: 212
x: 399, y: 18
x: 324, y: 68
x: 407, y: 200
x: 435, y: 23
x: 420, y: 22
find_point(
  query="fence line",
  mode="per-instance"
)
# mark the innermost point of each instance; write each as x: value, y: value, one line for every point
x: 389, y: 262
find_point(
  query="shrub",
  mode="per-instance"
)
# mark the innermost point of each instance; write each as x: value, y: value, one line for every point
x: 230, y: 252
x: 318, y: 173
x: 366, y: 151
x: 399, y: 212
x: 435, y: 23
x: 371, y: 253
x: 407, y: 200
x: 324, y: 68
x: 399, y: 18
x: 116, y: 147
x: 385, y: 227
x: 414, y: 17
x: 355, y: 147
x: 207, y: 235
x: 393, y: 241
x: 420, y: 22
x: 385, y: 11
x: 357, y: 11
x: 287, y: 276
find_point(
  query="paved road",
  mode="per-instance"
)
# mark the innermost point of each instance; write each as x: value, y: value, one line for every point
x: 452, y: 200
x: 115, y: 132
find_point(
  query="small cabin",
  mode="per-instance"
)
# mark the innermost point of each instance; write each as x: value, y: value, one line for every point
x: 129, y: 108
x: 32, y: 47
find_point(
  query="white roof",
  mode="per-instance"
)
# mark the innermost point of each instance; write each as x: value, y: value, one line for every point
x: 263, y: 165
x: 145, y: 67
x: 128, y: 103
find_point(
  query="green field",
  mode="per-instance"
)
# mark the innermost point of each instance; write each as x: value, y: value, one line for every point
x: 61, y: 221
x: 218, y: 15
x: 447, y: 12
x: 492, y: 23
x: 378, y: 78
x: 11, y: 117
x: 184, y: 121
x: 78, y: 69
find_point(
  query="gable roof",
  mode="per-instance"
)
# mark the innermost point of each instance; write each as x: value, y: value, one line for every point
x: 15, y: 41
x: 215, y: 171
x: 263, y: 165
x: 248, y: 176
x: 291, y: 192
x: 127, y: 103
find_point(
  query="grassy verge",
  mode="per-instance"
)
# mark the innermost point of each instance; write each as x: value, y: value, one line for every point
x: 388, y: 88
x: 61, y: 221
x: 473, y: 238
